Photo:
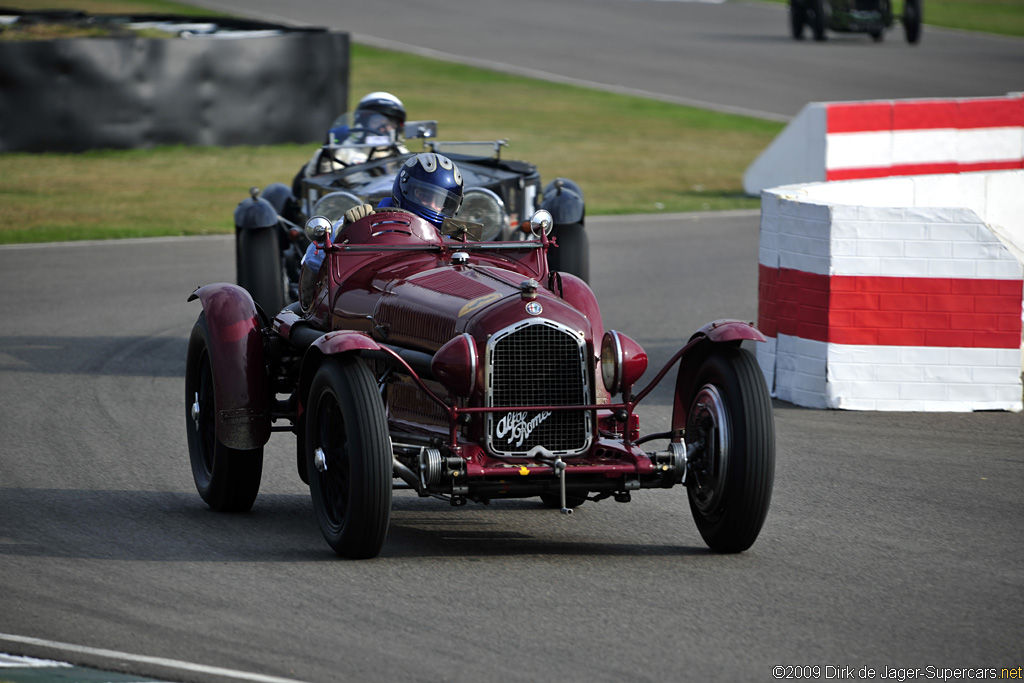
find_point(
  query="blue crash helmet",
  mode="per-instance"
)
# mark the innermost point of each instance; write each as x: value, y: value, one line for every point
x: 430, y: 186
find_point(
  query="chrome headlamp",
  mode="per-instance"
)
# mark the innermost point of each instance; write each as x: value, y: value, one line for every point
x: 480, y: 205
x: 623, y: 362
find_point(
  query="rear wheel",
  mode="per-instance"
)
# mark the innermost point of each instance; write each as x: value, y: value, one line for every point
x: 730, y: 477
x: 572, y: 255
x: 348, y: 458
x: 228, y: 479
x: 912, y: 17
x: 817, y: 19
x: 797, y: 18
x: 259, y: 269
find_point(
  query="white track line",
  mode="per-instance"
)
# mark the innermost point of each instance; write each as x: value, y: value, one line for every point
x: 143, y: 659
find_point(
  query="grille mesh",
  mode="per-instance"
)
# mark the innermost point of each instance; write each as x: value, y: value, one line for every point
x: 538, y: 364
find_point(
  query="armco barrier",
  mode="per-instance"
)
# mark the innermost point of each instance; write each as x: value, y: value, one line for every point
x: 894, y: 294
x: 875, y: 139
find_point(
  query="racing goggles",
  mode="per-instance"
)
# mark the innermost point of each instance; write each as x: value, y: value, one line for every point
x: 432, y: 197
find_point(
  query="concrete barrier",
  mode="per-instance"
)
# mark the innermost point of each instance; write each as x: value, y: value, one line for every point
x: 894, y: 294
x: 874, y: 139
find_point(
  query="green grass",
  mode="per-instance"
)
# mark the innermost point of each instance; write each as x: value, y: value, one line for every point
x: 629, y: 154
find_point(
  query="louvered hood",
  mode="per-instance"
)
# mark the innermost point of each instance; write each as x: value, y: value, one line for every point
x: 423, y: 312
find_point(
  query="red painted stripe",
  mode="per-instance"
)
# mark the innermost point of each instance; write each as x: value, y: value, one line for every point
x: 920, y: 114
x: 883, y: 115
x: 858, y: 173
x: 991, y: 166
x: 920, y: 169
x: 858, y: 117
x: 890, y: 311
x: 997, y: 112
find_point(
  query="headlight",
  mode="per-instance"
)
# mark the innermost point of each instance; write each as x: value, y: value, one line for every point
x: 334, y: 205
x: 623, y: 361
x: 455, y: 365
x: 481, y: 205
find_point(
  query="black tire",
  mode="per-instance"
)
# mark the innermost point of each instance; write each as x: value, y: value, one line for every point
x: 259, y: 269
x: 912, y: 18
x: 351, y: 485
x: 797, y: 18
x: 876, y: 35
x: 554, y: 500
x: 729, y: 482
x: 817, y: 19
x: 226, y: 478
x: 572, y: 255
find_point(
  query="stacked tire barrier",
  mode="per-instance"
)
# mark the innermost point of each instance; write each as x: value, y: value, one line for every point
x: 874, y: 139
x: 222, y: 82
x: 894, y: 294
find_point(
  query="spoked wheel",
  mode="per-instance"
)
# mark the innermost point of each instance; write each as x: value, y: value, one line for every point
x: 572, y: 255
x: 797, y: 18
x: 259, y: 269
x: 227, y: 479
x: 912, y: 18
x: 730, y: 476
x: 817, y: 19
x: 348, y: 458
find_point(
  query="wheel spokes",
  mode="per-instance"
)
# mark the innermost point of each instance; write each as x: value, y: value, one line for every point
x: 205, y: 421
x: 332, y: 470
x: 708, y: 425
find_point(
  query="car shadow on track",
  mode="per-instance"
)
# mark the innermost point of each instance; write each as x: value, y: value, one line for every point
x: 176, y: 526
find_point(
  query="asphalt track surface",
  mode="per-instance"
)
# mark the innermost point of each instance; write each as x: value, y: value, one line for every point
x: 893, y: 540
x: 734, y: 56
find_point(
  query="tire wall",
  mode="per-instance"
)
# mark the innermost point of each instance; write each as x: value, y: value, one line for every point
x: 120, y: 93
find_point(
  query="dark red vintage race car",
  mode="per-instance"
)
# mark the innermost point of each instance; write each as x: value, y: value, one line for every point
x: 464, y: 370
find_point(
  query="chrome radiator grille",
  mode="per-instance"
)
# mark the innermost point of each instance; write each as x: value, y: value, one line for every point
x: 537, y: 363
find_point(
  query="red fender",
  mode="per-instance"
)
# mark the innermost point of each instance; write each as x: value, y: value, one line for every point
x: 702, y: 342
x: 727, y: 330
x: 238, y: 363
x: 332, y: 343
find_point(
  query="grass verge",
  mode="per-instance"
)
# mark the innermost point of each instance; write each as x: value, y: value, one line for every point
x: 629, y: 154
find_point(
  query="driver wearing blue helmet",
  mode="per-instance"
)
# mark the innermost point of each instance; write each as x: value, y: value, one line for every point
x: 428, y: 185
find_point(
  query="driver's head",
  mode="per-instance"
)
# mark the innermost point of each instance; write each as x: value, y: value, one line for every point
x: 430, y: 186
x: 381, y: 112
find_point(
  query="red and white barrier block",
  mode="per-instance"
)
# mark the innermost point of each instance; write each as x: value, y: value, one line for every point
x: 894, y: 294
x: 884, y: 138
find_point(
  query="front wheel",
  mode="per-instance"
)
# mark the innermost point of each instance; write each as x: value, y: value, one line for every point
x: 797, y: 18
x: 572, y: 255
x: 259, y: 269
x: 228, y: 479
x: 730, y: 477
x: 348, y: 458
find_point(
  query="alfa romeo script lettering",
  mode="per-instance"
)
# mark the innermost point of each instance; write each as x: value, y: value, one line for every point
x: 517, y: 426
